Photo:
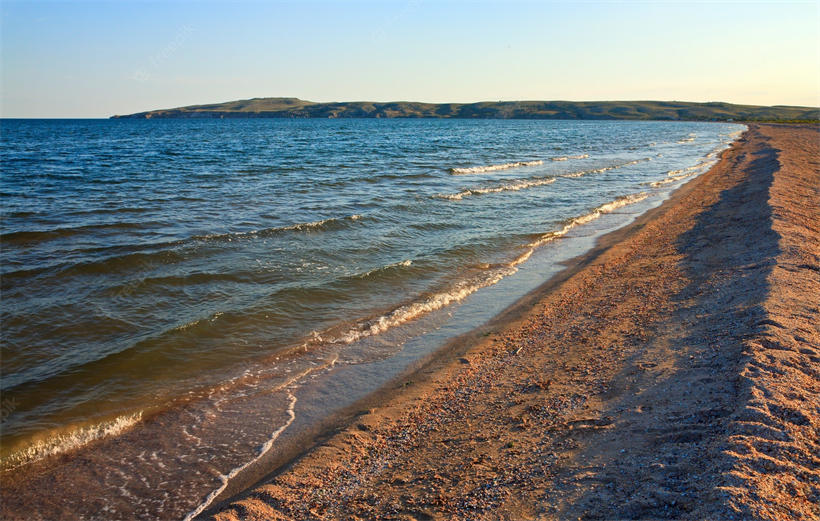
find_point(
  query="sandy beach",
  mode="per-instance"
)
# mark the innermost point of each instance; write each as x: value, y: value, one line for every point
x: 671, y: 373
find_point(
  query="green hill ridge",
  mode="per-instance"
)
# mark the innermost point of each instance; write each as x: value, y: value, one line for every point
x: 629, y: 110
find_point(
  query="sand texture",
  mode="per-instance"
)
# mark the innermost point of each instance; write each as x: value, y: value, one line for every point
x: 672, y: 373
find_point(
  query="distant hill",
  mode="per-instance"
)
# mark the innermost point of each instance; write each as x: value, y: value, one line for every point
x: 632, y: 110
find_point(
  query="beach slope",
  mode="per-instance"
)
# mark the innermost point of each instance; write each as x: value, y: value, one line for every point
x: 671, y: 373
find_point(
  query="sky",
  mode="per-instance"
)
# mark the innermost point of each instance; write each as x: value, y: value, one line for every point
x: 96, y: 59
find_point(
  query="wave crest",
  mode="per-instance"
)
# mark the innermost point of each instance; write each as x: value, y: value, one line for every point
x: 72, y: 440
x: 567, y: 158
x: 492, y: 168
x: 609, y: 207
x: 508, y: 187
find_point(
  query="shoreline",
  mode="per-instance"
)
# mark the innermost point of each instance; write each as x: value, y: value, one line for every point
x: 24, y: 430
x: 428, y: 368
x: 366, y: 456
x: 134, y: 465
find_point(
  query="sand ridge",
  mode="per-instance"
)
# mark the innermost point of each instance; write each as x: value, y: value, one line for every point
x: 672, y: 374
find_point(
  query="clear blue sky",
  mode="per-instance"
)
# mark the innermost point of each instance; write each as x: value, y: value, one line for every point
x: 95, y: 59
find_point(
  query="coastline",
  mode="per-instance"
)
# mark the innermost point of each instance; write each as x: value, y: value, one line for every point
x: 623, y: 387
x: 130, y: 474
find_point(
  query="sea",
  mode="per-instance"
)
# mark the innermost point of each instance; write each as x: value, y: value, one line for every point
x: 188, y: 303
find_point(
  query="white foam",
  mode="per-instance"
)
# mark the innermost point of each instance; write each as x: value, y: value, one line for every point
x: 522, y: 184
x: 305, y: 226
x: 565, y: 158
x: 319, y: 224
x: 226, y: 478
x: 676, y: 175
x: 492, y: 168
x: 265, y: 448
x: 73, y: 440
x: 404, y: 263
x: 611, y: 206
x: 508, y: 187
x: 414, y: 310
x: 601, y: 170
x: 620, y: 202
x: 668, y: 180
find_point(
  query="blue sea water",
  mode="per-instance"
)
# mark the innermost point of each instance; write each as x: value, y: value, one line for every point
x: 153, y: 271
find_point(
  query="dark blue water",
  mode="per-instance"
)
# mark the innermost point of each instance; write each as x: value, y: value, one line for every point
x: 148, y: 264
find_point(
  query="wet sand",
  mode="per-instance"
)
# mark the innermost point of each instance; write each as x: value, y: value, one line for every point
x: 671, y: 373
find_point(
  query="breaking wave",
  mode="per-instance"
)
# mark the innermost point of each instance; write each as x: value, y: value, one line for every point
x: 434, y: 302
x: 676, y: 175
x: 75, y: 439
x: 566, y: 158
x: 493, y: 168
x: 601, y: 170
x: 330, y: 223
x: 508, y: 187
x: 522, y: 184
x: 609, y: 207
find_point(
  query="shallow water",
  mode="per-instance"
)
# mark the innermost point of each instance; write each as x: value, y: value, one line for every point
x: 218, y: 284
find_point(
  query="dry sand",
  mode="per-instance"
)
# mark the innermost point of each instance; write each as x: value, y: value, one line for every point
x: 671, y: 374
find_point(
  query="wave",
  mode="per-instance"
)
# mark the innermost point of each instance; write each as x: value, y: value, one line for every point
x: 402, y: 264
x: 676, y: 175
x: 492, y: 168
x: 431, y: 303
x: 699, y: 166
x: 491, y: 275
x: 265, y: 448
x: 688, y: 139
x: 603, y: 169
x: 461, y: 290
x: 331, y: 223
x: 32, y: 236
x: 320, y: 225
x: 107, y: 211
x: 126, y: 257
x: 609, y: 207
x: 566, y: 158
x: 522, y: 184
x: 65, y: 442
x: 515, y: 186
x: 669, y: 180
x: 226, y: 478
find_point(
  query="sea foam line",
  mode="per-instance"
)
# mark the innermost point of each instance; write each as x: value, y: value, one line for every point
x: 73, y: 440
x: 566, y: 158
x: 530, y: 183
x: 401, y: 264
x: 671, y: 179
x: 603, y: 169
x: 414, y: 310
x: 519, y: 185
x: 609, y: 207
x: 676, y: 175
x: 291, y: 411
x: 301, y: 227
x: 522, y: 184
x: 492, y: 168
x: 226, y: 478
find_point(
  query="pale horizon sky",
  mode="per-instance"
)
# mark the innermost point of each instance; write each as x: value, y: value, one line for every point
x: 96, y: 59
